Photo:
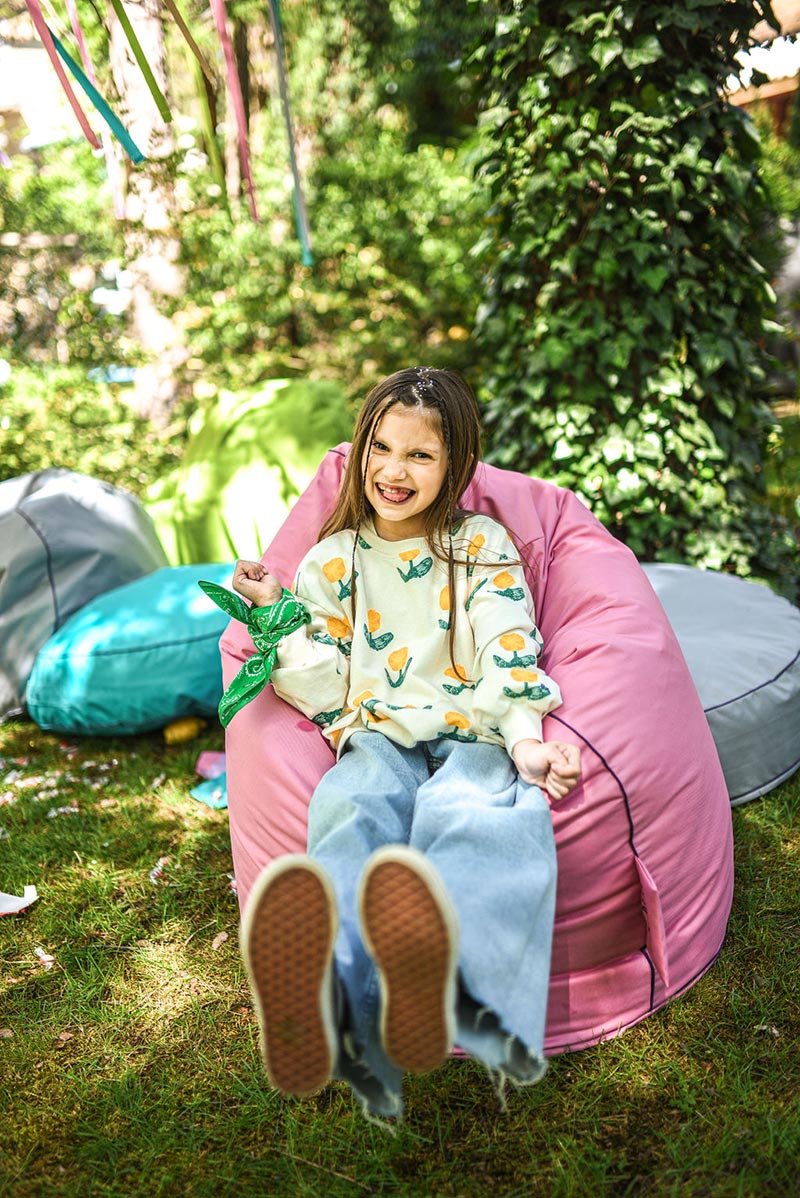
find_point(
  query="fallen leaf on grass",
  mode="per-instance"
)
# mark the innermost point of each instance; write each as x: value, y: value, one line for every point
x: 6, y: 1033
x: 46, y: 958
x: 219, y: 939
x: 64, y: 1036
x: 72, y: 809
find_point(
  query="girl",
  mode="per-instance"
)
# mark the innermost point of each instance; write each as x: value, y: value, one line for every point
x: 422, y: 915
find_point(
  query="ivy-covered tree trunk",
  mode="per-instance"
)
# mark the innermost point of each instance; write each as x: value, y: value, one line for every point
x: 626, y: 311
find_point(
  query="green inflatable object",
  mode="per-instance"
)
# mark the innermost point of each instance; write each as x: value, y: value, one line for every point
x: 245, y: 464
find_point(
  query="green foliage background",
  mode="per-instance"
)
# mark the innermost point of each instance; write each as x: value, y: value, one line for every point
x: 552, y: 198
x: 627, y: 311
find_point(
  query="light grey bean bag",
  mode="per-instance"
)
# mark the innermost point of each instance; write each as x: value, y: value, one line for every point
x: 742, y: 645
x: 64, y: 538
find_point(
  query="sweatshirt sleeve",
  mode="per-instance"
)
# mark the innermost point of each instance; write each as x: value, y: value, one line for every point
x: 313, y: 664
x: 511, y: 692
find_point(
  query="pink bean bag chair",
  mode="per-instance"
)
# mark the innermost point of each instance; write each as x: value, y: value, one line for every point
x: 645, y: 854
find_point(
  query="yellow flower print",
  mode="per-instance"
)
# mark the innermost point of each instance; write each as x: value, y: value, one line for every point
x: 334, y: 569
x: 532, y: 688
x: 506, y: 586
x: 455, y: 719
x: 367, y: 700
x: 339, y: 633
x: 512, y: 642
x: 339, y: 629
x: 444, y: 604
x: 473, y: 549
x: 459, y: 676
x: 399, y: 663
x: 415, y: 569
x: 459, y: 727
x: 371, y: 627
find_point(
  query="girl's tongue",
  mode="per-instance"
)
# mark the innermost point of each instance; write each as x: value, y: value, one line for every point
x: 394, y: 494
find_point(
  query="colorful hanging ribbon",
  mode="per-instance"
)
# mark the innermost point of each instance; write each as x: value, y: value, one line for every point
x: 112, y: 163
x: 268, y: 626
x: 218, y: 9
x: 47, y: 41
x: 113, y: 122
x: 298, y: 202
x: 144, y: 65
x: 192, y: 44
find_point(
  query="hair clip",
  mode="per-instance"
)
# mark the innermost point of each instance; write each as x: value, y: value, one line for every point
x: 424, y: 377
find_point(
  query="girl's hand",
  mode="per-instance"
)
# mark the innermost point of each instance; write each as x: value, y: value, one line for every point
x: 555, y: 766
x: 252, y: 580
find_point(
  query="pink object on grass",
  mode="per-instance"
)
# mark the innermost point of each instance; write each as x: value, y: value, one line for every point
x: 645, y: 855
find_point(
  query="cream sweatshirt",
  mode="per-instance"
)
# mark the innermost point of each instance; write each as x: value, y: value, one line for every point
x: 386, y: 666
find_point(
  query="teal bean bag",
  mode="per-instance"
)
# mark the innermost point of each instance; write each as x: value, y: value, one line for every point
x: 135, y: 658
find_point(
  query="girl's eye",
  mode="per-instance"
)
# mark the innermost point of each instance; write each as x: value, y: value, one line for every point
x: 421, y: 454
x: 379, y: 445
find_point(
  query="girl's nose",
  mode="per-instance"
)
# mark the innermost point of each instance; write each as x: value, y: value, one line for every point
x: 395, y: 468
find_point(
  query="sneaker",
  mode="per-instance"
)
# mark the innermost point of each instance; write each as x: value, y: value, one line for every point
x: 286, y: 938
x: 411, y: 930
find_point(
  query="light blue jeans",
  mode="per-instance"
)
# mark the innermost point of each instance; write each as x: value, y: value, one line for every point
x: 490, y: 836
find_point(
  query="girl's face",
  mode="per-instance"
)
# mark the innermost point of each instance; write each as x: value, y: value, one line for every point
x: 406, y: 466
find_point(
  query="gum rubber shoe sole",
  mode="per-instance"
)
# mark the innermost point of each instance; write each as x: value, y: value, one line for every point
x: 287, y: 937
x: 410, y: 930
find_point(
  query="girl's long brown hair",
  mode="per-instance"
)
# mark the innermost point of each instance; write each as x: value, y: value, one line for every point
x: 449, y: 402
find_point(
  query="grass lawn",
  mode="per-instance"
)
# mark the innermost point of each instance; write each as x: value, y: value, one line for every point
x: 128, y: 1060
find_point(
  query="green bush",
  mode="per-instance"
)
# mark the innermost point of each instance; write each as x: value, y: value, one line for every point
x: 56, y: 417
x: 626, y: 314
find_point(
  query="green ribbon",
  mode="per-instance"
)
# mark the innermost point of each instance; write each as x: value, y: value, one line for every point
x: 267, y: 626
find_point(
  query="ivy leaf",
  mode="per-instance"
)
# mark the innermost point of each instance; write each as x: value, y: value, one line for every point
x: 605, y: 50
x: 642, y: 52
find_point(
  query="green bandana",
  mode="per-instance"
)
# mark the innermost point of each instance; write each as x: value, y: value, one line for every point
x: 268, y: 626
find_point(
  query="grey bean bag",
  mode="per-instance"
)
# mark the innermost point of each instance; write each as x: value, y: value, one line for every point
x: 742, y: 645
x: 64, y: 538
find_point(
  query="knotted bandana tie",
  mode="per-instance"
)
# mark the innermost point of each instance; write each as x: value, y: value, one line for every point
x: 267, y: 626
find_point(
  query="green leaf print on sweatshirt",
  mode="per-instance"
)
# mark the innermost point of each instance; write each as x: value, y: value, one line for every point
x: 459, y: 676
x: 363, y: 544
x: 512, y: 642
x: 371, y: 627
x: 326, y: 718
x: 474, y: 592
x: 531, y: 689
x: 505, y: 585
x: 339, y: 634
x: 334, y: 571
x: 459, y: 728
x: 399, y: 661
x: 414, y: 570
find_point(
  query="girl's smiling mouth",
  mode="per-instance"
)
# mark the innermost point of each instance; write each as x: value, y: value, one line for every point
x: 393, y: 494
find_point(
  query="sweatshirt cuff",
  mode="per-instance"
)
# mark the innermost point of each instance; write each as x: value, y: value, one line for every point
x: 517, y: 725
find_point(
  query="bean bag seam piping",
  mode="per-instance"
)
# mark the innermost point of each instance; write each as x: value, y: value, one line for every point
x: 206, y: 636
x: 613, y: 774
x: 754, y: 690
x: 786, y: 772
x: 48, y: 560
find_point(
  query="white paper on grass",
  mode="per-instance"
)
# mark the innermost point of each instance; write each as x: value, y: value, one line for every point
x: 10, y: 904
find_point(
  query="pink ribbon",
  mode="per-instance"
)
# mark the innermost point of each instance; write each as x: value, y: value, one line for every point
x: 44, y: 33
x: 218, y: 9
x: 112, y: 165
